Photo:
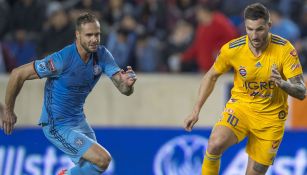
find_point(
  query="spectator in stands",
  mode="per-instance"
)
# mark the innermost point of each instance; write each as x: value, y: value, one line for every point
x: 7, y: 60
x: 115, y: 10
x: 179, y: 39
x: 152, y: 15
x: 28, y: 15
x: 213, y: 30
x: 283, y: 26
x: 59, y: 31
x: 148, y: 53
x: 121, y: 43
x: 93, y: 6
x: 180, y: 10
x: 302, y: 45
x: 23, y: 49
x: 4, y: 20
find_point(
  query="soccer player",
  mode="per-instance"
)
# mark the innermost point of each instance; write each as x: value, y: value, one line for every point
x: 71, y: 75
x: 266, y: 70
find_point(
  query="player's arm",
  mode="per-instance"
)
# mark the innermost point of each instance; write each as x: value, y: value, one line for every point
x: 205, y: 89
x: 17, y: 78
x: 295, y: 86
x: 124, y: 81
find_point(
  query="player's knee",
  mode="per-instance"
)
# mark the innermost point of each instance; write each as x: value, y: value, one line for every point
x: 215, y: 146
x: 103, y: 161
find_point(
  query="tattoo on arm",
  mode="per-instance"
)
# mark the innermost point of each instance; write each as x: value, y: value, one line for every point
x: 260, y: 168
x: 295, y: 87
x: 121, y: 86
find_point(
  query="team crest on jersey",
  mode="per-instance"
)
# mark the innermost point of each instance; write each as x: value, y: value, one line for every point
x: 242, y: 71
x: 97, y: 70
x: 41, y: 67
x: 282, y: 114
x: 293, y: 53
x: 46, y: 66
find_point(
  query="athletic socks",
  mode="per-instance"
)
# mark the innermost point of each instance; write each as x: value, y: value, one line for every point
x: 211, y: 164
x: 85, y: 168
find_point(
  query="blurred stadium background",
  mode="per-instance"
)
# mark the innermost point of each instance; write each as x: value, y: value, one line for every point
x: 143, y: 132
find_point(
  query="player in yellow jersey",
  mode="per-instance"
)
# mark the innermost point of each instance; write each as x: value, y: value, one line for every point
x: 266, y: 70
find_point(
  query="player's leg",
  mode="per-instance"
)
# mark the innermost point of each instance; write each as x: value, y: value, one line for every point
x: 255, y: 168
x: 263, y: 141
x: 95, y: 161
x: 76, y: 143
x: 261, y: 152
x: 229, y: 130
x: 221, y: 138
x: 98, y: 155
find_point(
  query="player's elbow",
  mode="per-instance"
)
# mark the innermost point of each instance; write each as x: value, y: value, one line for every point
x: 17, y: 73
x: 302, y: 97
x: 301, y: 94
x: 127, y: 93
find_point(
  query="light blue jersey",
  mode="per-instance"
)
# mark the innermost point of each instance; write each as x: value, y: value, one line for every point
x: 69, y: 82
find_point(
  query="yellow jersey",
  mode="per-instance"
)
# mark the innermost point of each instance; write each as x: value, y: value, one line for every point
x: 252, y: 83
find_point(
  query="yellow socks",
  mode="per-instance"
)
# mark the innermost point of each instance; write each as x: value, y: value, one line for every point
x: 211, y: 164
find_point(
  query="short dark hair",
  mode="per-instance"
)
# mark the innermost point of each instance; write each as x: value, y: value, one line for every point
x: 256, y: 11
x: 85, y: 18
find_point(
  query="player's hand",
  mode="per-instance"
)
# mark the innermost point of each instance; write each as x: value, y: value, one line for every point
x: 276, y: 77
x: 129, y: 76
x: 190, y: 121
x: 8, y: 121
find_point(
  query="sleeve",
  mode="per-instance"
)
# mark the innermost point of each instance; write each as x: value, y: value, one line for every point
x: 109, y: 66
x: 221, y: 64
x: 50, y: 66
x: 291, y: 64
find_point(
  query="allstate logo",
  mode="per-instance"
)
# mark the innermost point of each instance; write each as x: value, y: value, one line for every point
x: 182, y: 155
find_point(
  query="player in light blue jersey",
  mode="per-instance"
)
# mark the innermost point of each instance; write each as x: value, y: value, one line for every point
x: 71, y: 75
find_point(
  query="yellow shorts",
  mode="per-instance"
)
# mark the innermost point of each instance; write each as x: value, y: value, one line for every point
x: 264, y: 132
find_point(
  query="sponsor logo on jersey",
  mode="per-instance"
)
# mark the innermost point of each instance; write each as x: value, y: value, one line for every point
x: 295, y: 66
x: 262, y: 85
x: 50, y: 65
